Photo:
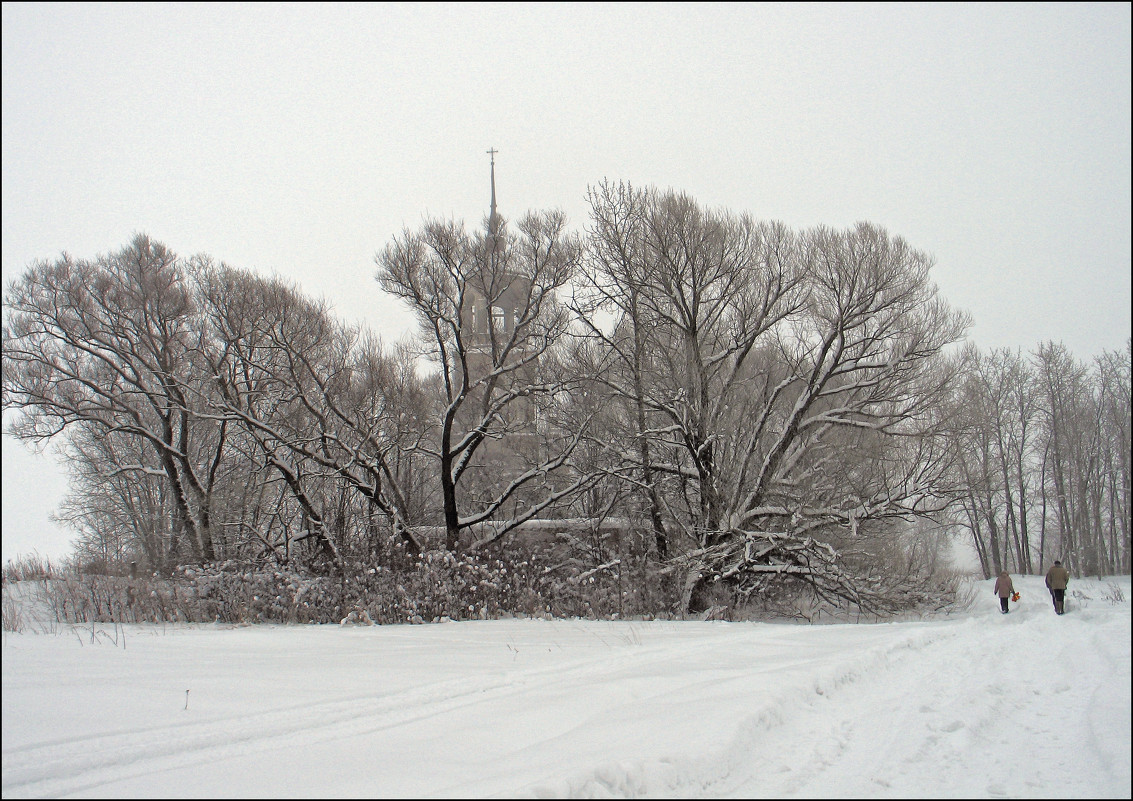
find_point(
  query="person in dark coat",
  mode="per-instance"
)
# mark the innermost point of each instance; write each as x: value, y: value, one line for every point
x: 1003, y: 588
x: 1056, y: 580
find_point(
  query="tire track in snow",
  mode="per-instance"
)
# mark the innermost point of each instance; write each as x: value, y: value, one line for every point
x: 78, y: 764
x: 59, y: 767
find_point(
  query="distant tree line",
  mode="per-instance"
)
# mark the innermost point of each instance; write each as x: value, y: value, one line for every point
x: 702, y: 407
x: 1043, y: 457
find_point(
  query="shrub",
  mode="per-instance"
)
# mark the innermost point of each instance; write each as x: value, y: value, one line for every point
x: 13, y: 616
x: 434, y: 586
x: 1113, y: 594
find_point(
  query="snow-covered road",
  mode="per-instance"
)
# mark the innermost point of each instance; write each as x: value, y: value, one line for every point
x: 977, y: 705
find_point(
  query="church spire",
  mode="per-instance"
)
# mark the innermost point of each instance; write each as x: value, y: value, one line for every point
x: 493, y: 220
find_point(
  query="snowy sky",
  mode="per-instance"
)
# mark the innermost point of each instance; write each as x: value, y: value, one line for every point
x: 300, y: 139
x: 975, y: 705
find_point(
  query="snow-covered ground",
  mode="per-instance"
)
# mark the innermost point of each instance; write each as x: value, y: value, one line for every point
x: 977, y: 704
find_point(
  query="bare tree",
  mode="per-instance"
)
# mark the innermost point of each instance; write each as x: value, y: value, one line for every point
x: 998, y: 454
x: 691, y: 293
x: 1116, y: 408
x: 489, y: 319
x: 1085, y: 431
x: 1045, y: 439
x: 768, y: 356
x: 866, y: 367
x: 329, y: 412
x: 112, y: 346
x: 119, y: 515
x: 1067, y: 428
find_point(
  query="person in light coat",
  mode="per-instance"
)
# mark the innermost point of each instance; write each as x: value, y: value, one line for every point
x: 1003, y: 588
x: 1056, y: 580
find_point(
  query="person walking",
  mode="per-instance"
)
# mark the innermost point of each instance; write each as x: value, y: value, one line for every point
x: 1056, y: 580
x: 1003, y: 588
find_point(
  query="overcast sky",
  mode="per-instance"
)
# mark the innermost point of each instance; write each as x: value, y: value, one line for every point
x: 299, y: 139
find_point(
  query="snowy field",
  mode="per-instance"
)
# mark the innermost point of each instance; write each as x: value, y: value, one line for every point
x: 977, y: 704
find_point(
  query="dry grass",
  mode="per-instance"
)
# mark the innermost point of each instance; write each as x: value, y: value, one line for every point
x: 29, y: 567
